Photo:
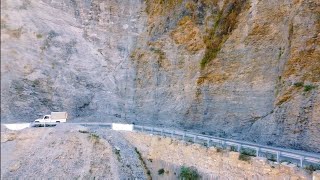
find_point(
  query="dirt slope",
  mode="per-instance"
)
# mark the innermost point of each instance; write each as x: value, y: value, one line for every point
x: 61, y: 152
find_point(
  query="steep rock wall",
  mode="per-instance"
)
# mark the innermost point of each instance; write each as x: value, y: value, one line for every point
x: 244, y: 69
x: 68, y: 56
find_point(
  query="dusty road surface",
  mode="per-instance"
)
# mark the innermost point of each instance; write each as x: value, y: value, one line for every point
x: 65, y: 152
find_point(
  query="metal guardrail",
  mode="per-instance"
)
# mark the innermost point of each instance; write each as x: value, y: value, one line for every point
x: 280, y: 153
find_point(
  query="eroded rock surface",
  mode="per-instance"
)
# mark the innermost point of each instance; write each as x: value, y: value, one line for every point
x: 246, y: 69
x: 62, y: 152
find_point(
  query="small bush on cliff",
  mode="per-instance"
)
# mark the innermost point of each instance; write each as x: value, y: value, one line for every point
x: 312, y: 167
x: 271, y: 157
x: 245, y: 154
x: 219, y: 149
x: 248, y: 152
x: 143, y: 162
x: 308, y: 87
x: 83, y: 131
x: 94, y: 137
x: 233, y: 148
x: 161, y: 171
x: 298, y: 84
x: 190, y: 141
x: 117, y: 152
x: 225, y: 23
x: 244, y: 157
x: 189, y: 173
x: 39, y: 36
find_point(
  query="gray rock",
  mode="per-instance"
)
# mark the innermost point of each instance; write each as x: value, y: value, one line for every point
x: 137, y: 62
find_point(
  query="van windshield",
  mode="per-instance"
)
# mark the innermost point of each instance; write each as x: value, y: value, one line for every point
x: 46, y: 117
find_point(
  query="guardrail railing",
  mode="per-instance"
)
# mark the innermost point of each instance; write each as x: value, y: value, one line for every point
x: 272, y: 153
x: 278, y: 154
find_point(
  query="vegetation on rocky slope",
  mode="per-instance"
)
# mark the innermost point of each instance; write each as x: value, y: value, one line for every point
x: 189, y: 173
x: 225, y: 23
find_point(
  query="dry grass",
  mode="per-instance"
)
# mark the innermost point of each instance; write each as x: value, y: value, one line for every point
x: 94, y: 138
x: 225, y: 23
x: 305, y: 63
x: 159, y: 7
x: 284, y: 98
x: 15, y: 33
x: 188, y: 34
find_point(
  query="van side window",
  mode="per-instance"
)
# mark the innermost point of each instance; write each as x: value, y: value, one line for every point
x: 46, y: 117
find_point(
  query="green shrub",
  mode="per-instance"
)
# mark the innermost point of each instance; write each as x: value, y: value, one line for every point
x: 245, y: 154
x: 83, y: 131
x: 161, y: 171
x: 94, y: 137
x: 248, y: 152
x: 244, y: 157
x: 39, y: 36
x: 138, y: 152
x: 298, y: 84
x: 209, y: 55
x: 308, y: 87
x: 225, y: 23
x: 117, y: 152
x: 219, y: 149
x: 233, y: 148
x: 143, y: 163
x: 312, y: 167
x: 189, y: 173
x: 271, y: 157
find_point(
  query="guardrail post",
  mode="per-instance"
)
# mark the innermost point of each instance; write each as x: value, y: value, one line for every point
x: 257, y: 151
x: 301, y: 161
x: 142, y: 129
x: 239, y: 147
x: 183, y: 136
x: 152, y: 130
x: 194, y: 139
x: 161, y: 132
x: 171, y: 134
x: 223, y: 144
x: 278, y: 156
x: 208, y: 142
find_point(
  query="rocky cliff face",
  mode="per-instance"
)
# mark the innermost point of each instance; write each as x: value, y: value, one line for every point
x: 68, y: 55
x: 244, y: 69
